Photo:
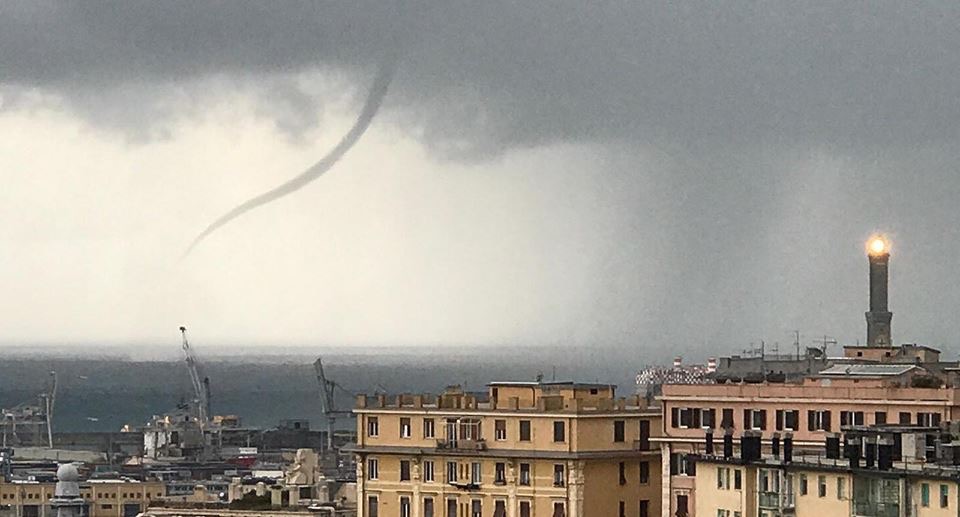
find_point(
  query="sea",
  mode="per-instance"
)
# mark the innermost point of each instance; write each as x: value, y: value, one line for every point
x: 105, y: 388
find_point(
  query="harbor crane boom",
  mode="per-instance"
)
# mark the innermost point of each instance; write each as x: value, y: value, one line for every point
x: 201, y: 387
x: 328, y: 403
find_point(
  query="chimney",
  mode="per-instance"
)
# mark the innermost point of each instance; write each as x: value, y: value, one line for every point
x: 852, y: 450
x: 728, y: 444
x: 677, y: 361
x: 775, y: 445
x: 749, y: 446
x: 885, y: 454
x: 711, y: 365
x: 787, y: 447
x: 833, y: 446
x: 879, y: 315
x: 709, y: 439
x: 870, y: 451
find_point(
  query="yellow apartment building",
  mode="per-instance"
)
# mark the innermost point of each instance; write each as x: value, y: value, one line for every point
x: 103, y: 498
x: 522, y: 449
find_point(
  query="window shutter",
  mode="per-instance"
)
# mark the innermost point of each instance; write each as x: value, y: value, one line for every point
x: 674, y: 458
x: 779, y: 420
x: 747, y: 423
x: 675, y: 417
x: 936, y: 419
x: 763, y: 419
x: 695, y: 417
x: 691, y: 466
x: 811, y: 420
x: 826, y: 421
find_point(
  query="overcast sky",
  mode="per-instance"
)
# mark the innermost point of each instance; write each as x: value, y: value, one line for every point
x: 692, y: 176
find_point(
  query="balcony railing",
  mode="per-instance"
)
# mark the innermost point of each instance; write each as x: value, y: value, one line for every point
x: 464, y: 445
x: 872, y: 509
x: 777, y: 500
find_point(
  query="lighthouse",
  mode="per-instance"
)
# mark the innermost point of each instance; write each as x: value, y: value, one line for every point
x: 879, y: 315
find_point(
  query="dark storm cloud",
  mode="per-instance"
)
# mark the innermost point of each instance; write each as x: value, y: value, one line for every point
x: 484, y: 76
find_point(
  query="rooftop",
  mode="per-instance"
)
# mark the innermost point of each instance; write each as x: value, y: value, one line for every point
x: 868, y: 370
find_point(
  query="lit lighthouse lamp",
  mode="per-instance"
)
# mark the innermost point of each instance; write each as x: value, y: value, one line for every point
x: 877, y: 245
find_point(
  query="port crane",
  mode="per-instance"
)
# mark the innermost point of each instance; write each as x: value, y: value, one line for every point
x: 201, y: 386
x: 328, y: 404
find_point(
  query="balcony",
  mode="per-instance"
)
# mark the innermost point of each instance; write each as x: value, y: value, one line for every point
x: 780, y: 501
x: 872, y: 509
x: 462, y: 445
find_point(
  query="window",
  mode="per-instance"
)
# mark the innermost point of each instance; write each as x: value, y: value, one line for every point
x: 644, y: 472
x: 723, y: 513
x: 373, y: 468
x: 755, y: 419
x: 405, y: 470
x: 373, y: 506
x: 851, y: 418
x: 427, y: 507
x: 803, y: 484
x: 469, y: 429
x: 559, y: 431
x: 404, y: 427
x: 623, y: 473
x: 524, y: 508
x: 618, y: 431
x: 818, y: 420
x: 841, y: 488
x: 476, y: 508
x: 373, y: 426
x: 644, y: 435
x: 822, y: 486
x: 500, y: 474
x: 525, y: 474
x: 787, y: 419
x: 680, y: 465
x: 644, y: 508
x: 524, y: 430
x: 476, y: 472
x: 428, y: 428
x: 904, y: 418
x: 880, y: 417
x: 558, y: 474
x: 737, y: 479
x: 708, y: 417
x: 558, y: 510
x: 428, y: 474
x: 928, y: 419
x: 500, y: 430
x: 404, y: 506
x: 726, y: 421
x: 690, y: 418
x: 924, y: 495
x: 451, y: 508
x: 623, y: 509
x: 499, y: 508
x: 944, y: 496
x: 723, y: 478
x: 451, y: 472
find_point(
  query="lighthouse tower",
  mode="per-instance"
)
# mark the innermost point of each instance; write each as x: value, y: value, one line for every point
x: 879, y: 315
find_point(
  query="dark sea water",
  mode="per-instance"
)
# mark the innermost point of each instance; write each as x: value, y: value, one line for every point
x: 264, y: 386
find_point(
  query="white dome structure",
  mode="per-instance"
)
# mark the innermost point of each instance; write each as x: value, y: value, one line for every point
x: 68, y: 472
x: 66, y: 498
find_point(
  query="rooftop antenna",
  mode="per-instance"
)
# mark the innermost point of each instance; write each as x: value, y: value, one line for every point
x: 796, y: 342
x: 826, y: 340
